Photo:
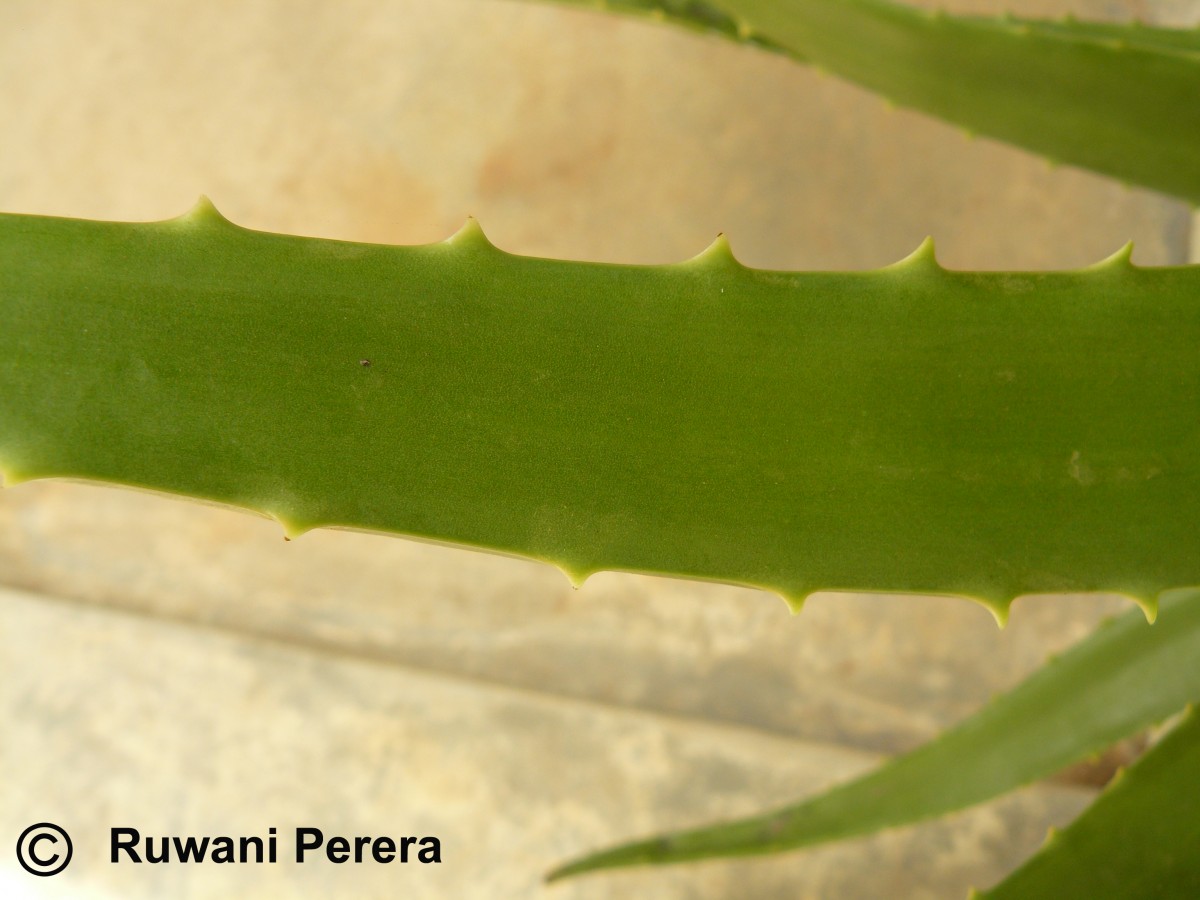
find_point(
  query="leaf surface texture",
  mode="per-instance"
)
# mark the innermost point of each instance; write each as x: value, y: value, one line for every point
x: 906, y: 429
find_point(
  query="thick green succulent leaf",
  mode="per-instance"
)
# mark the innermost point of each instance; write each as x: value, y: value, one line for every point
x: 909, y: 429
x: 1124, y: 677
x: 1122, y: 100
x: 1140, y: 840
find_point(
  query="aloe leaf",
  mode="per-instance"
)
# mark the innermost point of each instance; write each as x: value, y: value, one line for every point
x: 1139, y: 840
x: 1122, y: 100
x: 1120, y: 679
x: 908, y: 429
x: 697, y: 15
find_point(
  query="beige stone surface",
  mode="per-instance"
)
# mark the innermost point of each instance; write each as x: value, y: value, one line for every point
x: 179, y: 729
x: 182, y: 667
x: 874, y: 672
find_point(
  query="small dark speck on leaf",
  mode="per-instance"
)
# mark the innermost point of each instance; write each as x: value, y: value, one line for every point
x: 286, y: 538
x: 365, y: 363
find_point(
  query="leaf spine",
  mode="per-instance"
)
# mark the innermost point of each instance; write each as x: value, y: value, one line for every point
x: 203, y: 214
x: 718, y: 255
x: 470, y: 237
x: 1121, y: 260
x: 795, y: 602
x: 1149, y: 606
x: 292, y: 528
x: 923, y: 259
x: 577, y: 577
x: 1000, y: 610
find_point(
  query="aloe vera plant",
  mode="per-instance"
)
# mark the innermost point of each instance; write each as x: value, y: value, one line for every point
x: 909, y: 428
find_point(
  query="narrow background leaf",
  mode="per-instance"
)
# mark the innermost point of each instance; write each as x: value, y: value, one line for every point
x: 1122, y: 100
x: 1124, y: 677
x: 1140, y: 840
